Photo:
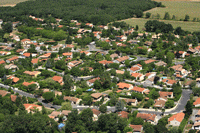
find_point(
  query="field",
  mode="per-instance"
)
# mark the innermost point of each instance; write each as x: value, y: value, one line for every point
x: 189, y: 26
x: 10, y: 2
x: 179, y: 9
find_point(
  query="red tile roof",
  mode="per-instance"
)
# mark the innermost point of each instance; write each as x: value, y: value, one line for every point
x: 146, y: 116
x: 96, y: 112
x: 27, y: 54
x: 136, y: 128
x: 2, y: 62
x: 123, y: 85
x: 134, y: 69
x: 3, y: 93
x: 165, y: 94
x: 96, y: 95
x: 13, y: 98
x: 59, y: 79
x: 93, y: 80
x: 138, y: 89
x: 123, y: 114
x: 104, y: 62
x: 13, y: 58
x: 67, y: 54
x: 27, y: 83
x: 34, y: 61
x: 169, y: 81
x: 197, y: 101
x: 149, y: 61
x: 178, y: 117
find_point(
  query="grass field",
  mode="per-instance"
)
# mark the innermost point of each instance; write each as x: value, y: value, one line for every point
x: 179, y: 9
x: 10, y: 2
x: 189, y: 26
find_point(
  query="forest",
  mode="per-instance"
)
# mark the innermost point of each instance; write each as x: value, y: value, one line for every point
x: 97, y: 12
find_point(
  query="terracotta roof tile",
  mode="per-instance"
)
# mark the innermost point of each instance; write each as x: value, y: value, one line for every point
x: 136, y: 128
x: 138, y: 89
x: 3, y: 93
x: 123, y: 85
x: 96, y: 95
x: 13, y: 98
x: 96, y: 112
x: 178, y: 117
x: 146, y: 116
x: 123, y: 114
x: 197, y: 101
x: 149, y: 61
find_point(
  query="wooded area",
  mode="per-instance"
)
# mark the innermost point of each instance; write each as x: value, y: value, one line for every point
x: 97, y: 12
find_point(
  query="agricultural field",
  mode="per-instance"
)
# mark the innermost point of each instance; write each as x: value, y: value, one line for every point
x: 178, y: 8
x: 10, y: 2
x: 189, y: 26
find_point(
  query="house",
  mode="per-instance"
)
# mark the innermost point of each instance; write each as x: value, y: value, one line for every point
x: 45, y: 56
x: 119, y: 72
x: 34, y: 61
x: 196, y: 126
x: 123, y: 114
x: 21, y: 51
x: 27, y: 84
x: 124, y: 86
x: 149, y: 61
x: 121, y: 59
x: 15, y: 58
x: 11, y: 67
x: 73, y: 64
x: 14, y: 24
x: 86, y: 53
x: 150, y: 80
x: 13, y: 98
x: 176, y: 119
x: 33, y: 73
x: 65, y: 114
x: 132, y: 102
x: 58, y: 79
x: 140, y: 90
x: 96, y: 114
x: 122, y: 38
x: 150, y: 75
x: 147, y: 117
x: 160, y: 102
x: 113, y: 56
x: 182, y: 54
x: 70, y: 46
x: 91, y: 81
x: 137, y: 128
x: 2, y: 62
x: 166, y: 94
x: 2, y: 53
x: 73, y: 100
x: 138, y: 76
x: 134, y: 69
x: 25, y: 41
x: 198, y: 114
x: 96, y: 96
x: 14, y: 79
x: 188, y: 83
x: 32, y: 107
x: 197, y: 102
x: 3, y: 93
x: 161, y: 63
x: 105, y: 62
x: 1, y: 21
x: 169, y: 82
x: 55, y: 115
x: 57, y: 47
x: 68, y: 54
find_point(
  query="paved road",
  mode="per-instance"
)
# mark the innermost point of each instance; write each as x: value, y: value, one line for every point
x: 179, y: 108
x: 92, y: 47
x: 22, y: 93
x: 79, y: 107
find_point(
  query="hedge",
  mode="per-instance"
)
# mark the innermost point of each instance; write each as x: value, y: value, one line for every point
x: 182, y: 125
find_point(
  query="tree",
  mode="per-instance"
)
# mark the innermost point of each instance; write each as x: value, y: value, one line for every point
x: 186, y: 18
x: 68, y: 82
x: 103, y: 108
x: 120, y: 105
x: 148, y: 127
x: 68, y: 40
x: 49, y: 96
x: 44, y: 111
x: 169, y: 104
x: 7, y: 27
x: 136, y: 28
x: 166, y: 17
x: 148, y: 15
x: 188, y: 108
x: 113, y: 100
x: 153, y: 94
x: 66, y: 106
x: 137, y: 121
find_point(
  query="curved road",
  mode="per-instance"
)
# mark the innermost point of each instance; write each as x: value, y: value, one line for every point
x: 179, y: 108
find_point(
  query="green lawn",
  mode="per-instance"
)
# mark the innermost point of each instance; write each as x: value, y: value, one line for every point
x: 179, y: 9
x: 189, y: 26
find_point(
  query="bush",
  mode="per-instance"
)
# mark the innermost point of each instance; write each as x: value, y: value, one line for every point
x: 182, y: 125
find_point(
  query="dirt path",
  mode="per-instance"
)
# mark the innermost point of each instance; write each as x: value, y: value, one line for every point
x: 12, y: 5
